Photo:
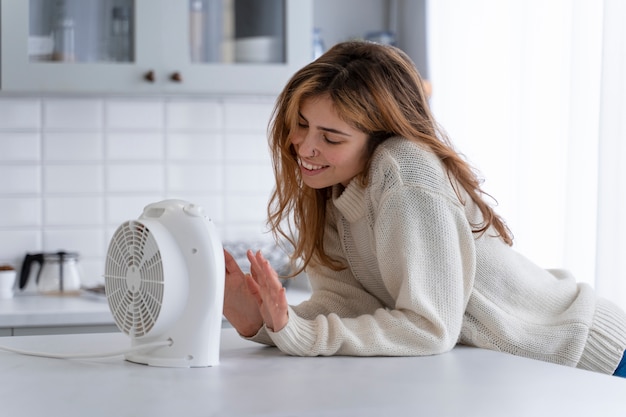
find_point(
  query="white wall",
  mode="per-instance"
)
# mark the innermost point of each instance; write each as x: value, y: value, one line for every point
x: 73, y: 169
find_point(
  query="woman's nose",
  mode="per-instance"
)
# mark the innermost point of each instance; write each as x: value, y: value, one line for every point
x: 307, y: 144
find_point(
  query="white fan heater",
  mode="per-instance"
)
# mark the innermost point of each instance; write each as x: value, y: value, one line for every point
x: 164, y: 281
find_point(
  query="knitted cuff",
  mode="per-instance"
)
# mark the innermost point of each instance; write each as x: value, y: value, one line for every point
x: 297, y: 337
x: 621, y: 368
x: 607, y: 339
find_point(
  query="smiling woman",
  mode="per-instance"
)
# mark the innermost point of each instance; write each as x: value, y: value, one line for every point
x: 404, y: 255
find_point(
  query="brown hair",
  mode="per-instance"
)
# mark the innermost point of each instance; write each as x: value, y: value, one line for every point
x: 377, y: 89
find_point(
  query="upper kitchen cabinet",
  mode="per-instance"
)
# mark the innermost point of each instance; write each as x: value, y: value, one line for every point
x: 153, y: 46
x: 399, y: 22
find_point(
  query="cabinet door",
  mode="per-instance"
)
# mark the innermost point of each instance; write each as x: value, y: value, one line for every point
x: 164, y: 57
x: 258, y: 45
x: 22, y: 42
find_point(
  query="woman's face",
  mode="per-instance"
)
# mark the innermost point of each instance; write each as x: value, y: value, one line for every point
x: 330, y: 151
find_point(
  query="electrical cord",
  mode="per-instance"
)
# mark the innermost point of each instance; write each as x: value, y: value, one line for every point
x: 147, y: 346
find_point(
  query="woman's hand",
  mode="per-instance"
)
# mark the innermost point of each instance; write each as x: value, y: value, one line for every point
x: 269, y: 292
x: 241, y: 307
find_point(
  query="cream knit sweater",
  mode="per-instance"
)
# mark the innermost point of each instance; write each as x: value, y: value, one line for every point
x: 419, y: 281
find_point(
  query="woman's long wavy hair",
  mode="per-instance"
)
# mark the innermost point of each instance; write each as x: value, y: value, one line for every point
x: 377, y: 89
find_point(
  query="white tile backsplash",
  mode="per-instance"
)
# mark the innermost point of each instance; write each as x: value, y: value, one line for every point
x: 195, y: 177
x: 246, y: 147
x: 89, y: 242
x: 140, y: 177
x: 73, y: 178
x: 73, y: 169
x: 72, y: 146
x: 18, y: 113
x: 246, y: 208
x: 249, y: 178
x: 20, y: 147
x: 194, y: 146
x: 20, y: 179
x: 72, y: 114
x: 244, y: 115
x: 20, y: 212
x: 135, y: 146
x: 194, y: 115
x: 15, y: 244
x: 74, y: 211
x: 135, y: 114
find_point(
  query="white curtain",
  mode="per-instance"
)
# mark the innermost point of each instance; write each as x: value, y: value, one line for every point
x: 611, y: 253
x: 532, y: 92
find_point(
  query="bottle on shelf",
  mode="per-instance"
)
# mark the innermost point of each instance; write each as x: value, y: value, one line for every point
x: 120, y: 35
x: 63, y: 35
x: 385, y: 37
x: 318, y: 43
x: 196, y: 31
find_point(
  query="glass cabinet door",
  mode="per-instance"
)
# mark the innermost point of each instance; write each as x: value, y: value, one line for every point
x: 81, y: 30
x: 237, y: 31
x: 73, y: 46
x: 239, y: 46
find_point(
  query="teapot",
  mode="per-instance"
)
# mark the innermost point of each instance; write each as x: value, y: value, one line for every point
x: 58, y: 273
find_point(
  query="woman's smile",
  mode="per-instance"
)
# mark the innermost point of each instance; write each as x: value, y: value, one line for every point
x: 310, y: 169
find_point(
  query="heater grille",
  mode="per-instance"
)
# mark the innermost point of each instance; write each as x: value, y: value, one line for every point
x: 134, y: 278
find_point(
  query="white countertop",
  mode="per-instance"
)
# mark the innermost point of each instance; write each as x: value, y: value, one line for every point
x: 253, y: 380
x: 34, y: 310
x: 48, y: 310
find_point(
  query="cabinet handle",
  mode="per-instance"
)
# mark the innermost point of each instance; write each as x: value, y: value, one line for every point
x: 149, y: 76
x: 176, y: 77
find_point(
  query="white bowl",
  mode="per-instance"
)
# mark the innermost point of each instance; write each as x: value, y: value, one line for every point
x: 261, y: 49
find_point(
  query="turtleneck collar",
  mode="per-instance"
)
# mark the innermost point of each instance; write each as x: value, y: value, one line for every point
x: 349, y: 200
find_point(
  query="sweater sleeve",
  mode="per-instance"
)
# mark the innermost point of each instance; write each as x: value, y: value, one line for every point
x: 426, y: 257
x: 334, y: 292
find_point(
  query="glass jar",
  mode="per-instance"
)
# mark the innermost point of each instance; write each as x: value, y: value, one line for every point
x: 63, y: 38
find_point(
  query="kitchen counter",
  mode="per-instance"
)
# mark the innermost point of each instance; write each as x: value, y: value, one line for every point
x: 33, y: 314
x: 253, y: 380
x: 28, y: 314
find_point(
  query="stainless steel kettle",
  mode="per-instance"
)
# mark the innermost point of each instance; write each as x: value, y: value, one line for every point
x: 58, y: 272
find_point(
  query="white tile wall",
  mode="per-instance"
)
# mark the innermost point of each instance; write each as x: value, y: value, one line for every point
x: 19, y: 113
x: 73, y: 169
x: 19, y: 146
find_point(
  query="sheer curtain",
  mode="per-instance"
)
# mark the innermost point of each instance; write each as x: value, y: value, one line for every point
x: 611, y: 256
x: 532, y: 93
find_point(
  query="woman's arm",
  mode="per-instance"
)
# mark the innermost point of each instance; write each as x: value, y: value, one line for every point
x: 425, y: 252
x: 335, y: 292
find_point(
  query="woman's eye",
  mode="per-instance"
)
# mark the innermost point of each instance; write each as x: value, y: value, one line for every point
x: 302, y: 125
x: 330, y: 142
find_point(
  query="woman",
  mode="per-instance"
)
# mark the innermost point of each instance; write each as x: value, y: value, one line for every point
x: 404, y: 255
